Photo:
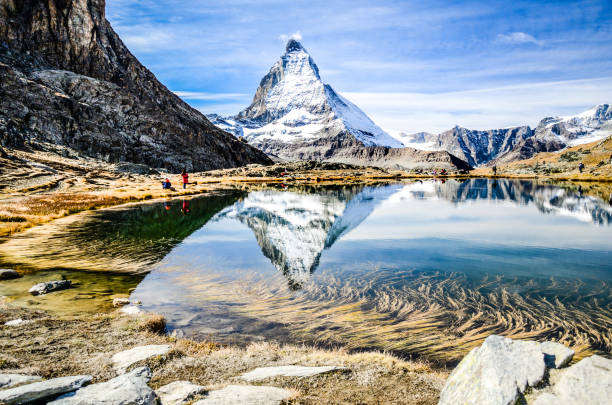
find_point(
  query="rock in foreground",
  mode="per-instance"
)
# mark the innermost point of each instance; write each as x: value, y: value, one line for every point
x: 40, y: 391
x: 178, y: 392
x: 495, y: 373
x: 262, y: 373
x: 124, y: 359
x: 246, y: 395
x: 587, y: 382
x: 126, y: 389
x: 10, y: 380
x: 44, y: 288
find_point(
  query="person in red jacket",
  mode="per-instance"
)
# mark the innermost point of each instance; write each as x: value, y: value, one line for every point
x: 185, y: 178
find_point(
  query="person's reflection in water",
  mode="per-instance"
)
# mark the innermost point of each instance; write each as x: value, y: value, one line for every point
x: 580, y: 191
x: 167, y: 206
x: 185, y: 209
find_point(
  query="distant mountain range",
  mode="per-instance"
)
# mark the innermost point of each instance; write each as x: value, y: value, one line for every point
x: 508, y: 144
x: 295, y: 116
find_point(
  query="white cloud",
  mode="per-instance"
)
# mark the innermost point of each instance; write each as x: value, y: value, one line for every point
x: 500, y: 107
x: 296, y: 35
x: 518, y: 38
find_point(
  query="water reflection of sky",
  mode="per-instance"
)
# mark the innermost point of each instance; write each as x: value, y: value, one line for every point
x: 501, y: 252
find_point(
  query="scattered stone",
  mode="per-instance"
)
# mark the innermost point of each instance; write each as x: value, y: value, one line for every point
x: 556, y: 355
x: 245, y: 395
x: 119, y: 302
x: 178, y: 392
x: 16, y: 322
x: 587, y: 382
x: 286, y: 371
x: 42, y: 390
x: 495, y: 373
x: 8, y: 274
x: 131, y: 310
x: 11, y: 380
x: 178, y: 334
x: 130, y: 388
x: 44, y: 288
x: 124, y: 359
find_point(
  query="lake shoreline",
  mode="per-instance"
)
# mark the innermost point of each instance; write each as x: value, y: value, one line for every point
x: 85, y: 345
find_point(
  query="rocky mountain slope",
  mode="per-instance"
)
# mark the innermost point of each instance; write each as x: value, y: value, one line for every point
x: 67, y: 79
x: 496, y: 146
x: 295, y: 116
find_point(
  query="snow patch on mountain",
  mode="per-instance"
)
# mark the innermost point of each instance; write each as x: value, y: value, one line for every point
x: 589, y: 126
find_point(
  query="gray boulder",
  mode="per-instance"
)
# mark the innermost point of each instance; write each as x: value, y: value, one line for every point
x: 10, y: 380
x: 8, y: 274
x: 246, y: 395
x: 587, y: 382
x: 44, y: 288
x: 178, y: 392
x: 130, y: 388
x: 495, y: 373
x: 287, y: 371
x: 43, y: 390
x: 556, y: 355
x: 124, y: 359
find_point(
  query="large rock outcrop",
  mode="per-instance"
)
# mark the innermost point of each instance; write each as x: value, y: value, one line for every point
x: 68, y: 79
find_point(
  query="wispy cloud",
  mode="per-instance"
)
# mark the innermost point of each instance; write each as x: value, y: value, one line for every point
x: 296, y: 35
x: 518, y: 38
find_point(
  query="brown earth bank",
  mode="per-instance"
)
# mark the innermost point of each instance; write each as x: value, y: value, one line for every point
x: 52, y: 346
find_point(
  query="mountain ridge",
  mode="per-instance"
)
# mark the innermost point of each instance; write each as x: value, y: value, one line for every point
x: 69, y: 80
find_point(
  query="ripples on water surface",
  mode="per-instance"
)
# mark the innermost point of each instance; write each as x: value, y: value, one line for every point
x: 424, y: 268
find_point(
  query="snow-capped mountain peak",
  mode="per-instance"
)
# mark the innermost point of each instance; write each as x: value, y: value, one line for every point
x: 588, y: 126
x: 293, y: 106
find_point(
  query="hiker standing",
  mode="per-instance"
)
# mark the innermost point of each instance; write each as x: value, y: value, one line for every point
x: 581, y: 167
x: 494, y: 170
x: 185, y: 178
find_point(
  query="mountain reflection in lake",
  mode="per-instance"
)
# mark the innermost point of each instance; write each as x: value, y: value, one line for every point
x: 426, y: 268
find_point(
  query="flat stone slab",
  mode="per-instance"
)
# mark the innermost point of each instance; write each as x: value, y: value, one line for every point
x: 246, y: 395
x: 16, y: 322
x: 8, y: 274
x: 495, y: 373
x: 178, y: 392
x: 262, y: 373
x: 587, y: 382
x: 42, y: 390
x: 127, y: 389
x: 10, y: 380
x: 123, y: 360
x: 556, y: 355
x: 49, y: 286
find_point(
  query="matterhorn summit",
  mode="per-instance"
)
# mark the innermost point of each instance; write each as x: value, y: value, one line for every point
x: 293, y: 108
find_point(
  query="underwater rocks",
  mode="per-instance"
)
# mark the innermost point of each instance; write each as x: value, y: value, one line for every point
x: 49, y: 286
x: 8, y: 274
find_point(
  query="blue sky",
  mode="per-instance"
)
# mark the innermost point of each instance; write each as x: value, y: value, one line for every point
x: 410, y: 65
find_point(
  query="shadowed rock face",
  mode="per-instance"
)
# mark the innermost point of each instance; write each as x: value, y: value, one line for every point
x: 68, y: 79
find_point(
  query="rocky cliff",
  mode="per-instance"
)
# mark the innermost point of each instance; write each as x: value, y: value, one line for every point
x: 68, y: 79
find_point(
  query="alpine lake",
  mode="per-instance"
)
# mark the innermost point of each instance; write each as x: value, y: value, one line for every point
x: 426, y: 268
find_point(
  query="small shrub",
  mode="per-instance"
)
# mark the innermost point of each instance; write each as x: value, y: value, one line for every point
x: 147, y: 197
x: 12, y: 218
x: 154, y: 323
x: 570, y: 156
x: 601, y: 163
